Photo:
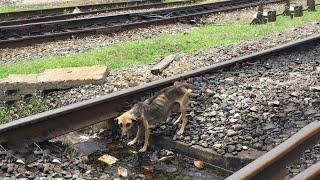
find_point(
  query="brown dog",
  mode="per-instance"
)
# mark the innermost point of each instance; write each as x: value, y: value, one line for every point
x: 155, y: 110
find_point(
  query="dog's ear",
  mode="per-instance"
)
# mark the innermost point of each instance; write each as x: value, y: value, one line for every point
x: 133, y: 117
x: 116, y: 119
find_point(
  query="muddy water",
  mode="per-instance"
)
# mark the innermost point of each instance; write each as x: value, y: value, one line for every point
x: 147, y: 165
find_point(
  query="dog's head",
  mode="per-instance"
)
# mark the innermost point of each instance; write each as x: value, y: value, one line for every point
x: 186, y: 87
x: 126, y: 121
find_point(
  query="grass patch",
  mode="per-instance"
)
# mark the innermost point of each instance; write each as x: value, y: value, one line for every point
x: 23, y: 109
x: 5, y: 115
x: 5, y: 8
x: 145, y: 51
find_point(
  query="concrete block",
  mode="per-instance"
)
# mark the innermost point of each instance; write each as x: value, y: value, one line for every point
x: 18, y: 81
x: 60, y: 78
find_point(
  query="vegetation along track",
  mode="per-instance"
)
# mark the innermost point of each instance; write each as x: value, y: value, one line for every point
x: 57, y: 122
x: 19, y: 35
x: 68, y: 15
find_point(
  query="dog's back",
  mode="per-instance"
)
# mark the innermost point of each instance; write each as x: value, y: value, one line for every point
x: 157, y: 108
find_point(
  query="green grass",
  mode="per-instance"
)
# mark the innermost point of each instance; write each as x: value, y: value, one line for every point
x: 7, y: 8
x: 145, y: 51
x: 5, y: 115
x: 28, y: 108
x: 4, y: 8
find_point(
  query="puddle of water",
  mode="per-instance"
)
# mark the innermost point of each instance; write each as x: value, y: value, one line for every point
x: 139, y: 165
x: 146, y: 165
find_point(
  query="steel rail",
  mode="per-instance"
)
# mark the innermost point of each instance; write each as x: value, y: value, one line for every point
x: 50, y: 124
x: 20, y: 35
x: 312, y: 172
x: 272, y: 165
x: 62, y: 10
x: 75, y: 15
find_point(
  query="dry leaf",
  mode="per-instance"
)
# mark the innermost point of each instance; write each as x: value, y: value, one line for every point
x: 199, y: 164
x: 122, y: 172
x: 108, y: 159
x: 166, y: 158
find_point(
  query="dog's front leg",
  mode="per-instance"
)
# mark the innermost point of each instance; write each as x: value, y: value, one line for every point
x: 178, y: 120
x: 146, y: 136
x: 136, y: 138
x: 183, y: 117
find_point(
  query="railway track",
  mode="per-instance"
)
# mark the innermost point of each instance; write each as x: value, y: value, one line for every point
x: 20, y: 35
x: 272, y: 165
x: 69, y: 15
x: 19, y: 15
x: 50, y: 124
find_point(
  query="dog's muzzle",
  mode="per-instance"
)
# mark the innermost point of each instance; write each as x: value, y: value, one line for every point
x: 124, y: 133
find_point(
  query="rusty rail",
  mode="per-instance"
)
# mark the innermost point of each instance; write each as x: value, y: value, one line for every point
x: 272, y: 165
x: 46, y: 18
x: 63, y: 10
x: 313, y: 172
x: 60, y: 121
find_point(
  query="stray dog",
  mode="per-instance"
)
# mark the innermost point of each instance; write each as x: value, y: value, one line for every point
x: 156, y: 110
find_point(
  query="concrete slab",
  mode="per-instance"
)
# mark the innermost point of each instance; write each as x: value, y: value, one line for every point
x: 21, y: 78
x: 60, y: 78
x: 18, y: 81
x: 73, y: 74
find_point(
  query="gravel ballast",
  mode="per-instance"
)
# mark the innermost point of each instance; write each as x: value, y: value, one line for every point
x: 255, y: 106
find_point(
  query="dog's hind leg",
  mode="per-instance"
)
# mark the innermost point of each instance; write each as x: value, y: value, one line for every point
x: 146, y: 136
x: 132, y: 142
x: 182, y: 104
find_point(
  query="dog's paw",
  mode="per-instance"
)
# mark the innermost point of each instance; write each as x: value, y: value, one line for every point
x: 130, y: 143
x: 143, y: 150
